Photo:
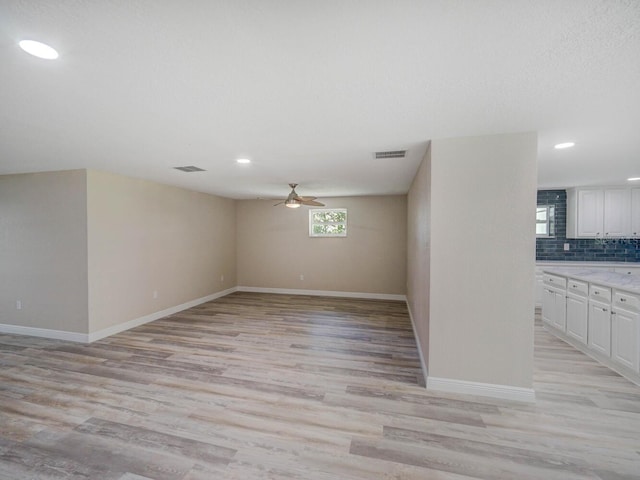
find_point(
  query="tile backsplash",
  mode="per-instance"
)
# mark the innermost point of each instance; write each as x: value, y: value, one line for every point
x: 584, y: 249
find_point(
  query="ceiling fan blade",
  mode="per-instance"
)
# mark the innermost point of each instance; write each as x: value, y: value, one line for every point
x: 279, y: 203
x: 304, y: 199
x: 312, y: 203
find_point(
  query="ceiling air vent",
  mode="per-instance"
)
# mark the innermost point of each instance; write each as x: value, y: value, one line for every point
x: 189, y: 168
x: 391, y: 154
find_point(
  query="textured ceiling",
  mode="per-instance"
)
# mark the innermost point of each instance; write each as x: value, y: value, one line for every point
x: 310, y: 89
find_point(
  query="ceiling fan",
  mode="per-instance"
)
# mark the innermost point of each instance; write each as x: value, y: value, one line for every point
x: 294, y: 200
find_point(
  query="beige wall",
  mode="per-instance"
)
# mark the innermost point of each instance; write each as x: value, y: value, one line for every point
x: 418, y: 253
x: 274, y: 247
x: 483, y: 196
x: 145, y: 237
x: 43, y: 250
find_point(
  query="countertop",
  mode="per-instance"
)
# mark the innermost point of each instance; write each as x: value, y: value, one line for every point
x: 564, y: 263
x: 630, y: 283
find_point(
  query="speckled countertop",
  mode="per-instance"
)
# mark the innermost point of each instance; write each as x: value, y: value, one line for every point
x: 630, y: 283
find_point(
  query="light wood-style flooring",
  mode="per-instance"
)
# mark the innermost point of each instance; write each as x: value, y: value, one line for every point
x: 258, y: 386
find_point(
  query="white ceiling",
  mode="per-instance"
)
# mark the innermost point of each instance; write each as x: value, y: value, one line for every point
x: 308, y: 90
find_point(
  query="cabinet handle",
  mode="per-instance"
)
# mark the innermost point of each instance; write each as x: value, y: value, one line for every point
x: 596, y: 293
x: 623, y: 299
x: 574, y: 286
x: 604, y: 310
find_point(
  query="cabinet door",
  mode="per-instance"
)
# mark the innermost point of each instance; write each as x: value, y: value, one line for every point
x: 625, y: 338
x: 577, y: 318
x: 548, y: 305
x: 635, y: 212
x: 616, y: 212
x: 539, y: 289
x: 600, y: 328
x: 590, y: 213
x: 560, y: 311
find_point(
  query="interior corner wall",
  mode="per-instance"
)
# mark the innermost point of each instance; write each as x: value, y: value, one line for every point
x: 144, y: 237
x: 418, y: 252
x: 274, y: 247
x: 43, y: 251
x: 482, y: 262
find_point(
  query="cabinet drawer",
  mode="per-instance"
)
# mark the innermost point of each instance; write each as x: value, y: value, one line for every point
x: 602, y: 294
x: 577, y: 287
x: 626, y: 301
x: 628, y: 270
x: 555, y: 281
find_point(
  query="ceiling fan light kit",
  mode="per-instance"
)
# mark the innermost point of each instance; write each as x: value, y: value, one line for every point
x: 294, y: 200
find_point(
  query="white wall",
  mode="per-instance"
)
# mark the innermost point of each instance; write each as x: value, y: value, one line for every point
x: 418, y: 254
x: 471, y: 255
x: 274, y: 247
x: 483, y: 197
x: 145, y: 237
x: 43, y: 250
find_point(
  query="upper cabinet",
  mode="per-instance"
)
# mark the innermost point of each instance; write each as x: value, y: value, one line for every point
x: 610, y: 212
x: 635, y: 212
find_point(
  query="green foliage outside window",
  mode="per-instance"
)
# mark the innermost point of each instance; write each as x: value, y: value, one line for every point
x: 328, y: 222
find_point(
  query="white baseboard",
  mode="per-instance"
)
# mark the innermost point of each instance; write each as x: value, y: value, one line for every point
x: 423, y: 363
x: 44, y: 332
x: 505, y: 392
x: 136, y: 322
x: 324, y: 293
x: 107, y: 332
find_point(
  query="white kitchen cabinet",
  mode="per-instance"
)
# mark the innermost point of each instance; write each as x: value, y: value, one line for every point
x: 605, y: 212
x: 539, y: 287
x: 554, y: 308
x: 585, y: 212
x: 577, y: 314
x: 577, y: 309
x: 627, y: 270
x: 635, y: 212
x: 616, y: 219
x: 625, y: 330
x: 624, y: 338
x: 599, y: 334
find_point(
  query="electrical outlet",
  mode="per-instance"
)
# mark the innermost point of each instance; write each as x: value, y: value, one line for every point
x: 222, y: 278
x: 566, y: 247
x: 18, y: 305
x: 301, y: 277
x: 155, y: 294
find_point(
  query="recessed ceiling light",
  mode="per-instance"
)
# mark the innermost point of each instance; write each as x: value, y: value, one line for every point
x: 560, y: 146
x: 243, y: 160
x: 38, y: 49
x: 633, y: 179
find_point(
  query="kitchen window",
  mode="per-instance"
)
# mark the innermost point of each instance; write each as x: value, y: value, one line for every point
x: 545, y: 221
x: 328, y: 222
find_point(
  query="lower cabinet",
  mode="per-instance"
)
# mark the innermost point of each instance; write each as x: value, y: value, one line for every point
x: 554, y: 308
x: 625, y: 341
x: 577, y: 313
x: 599, y: 333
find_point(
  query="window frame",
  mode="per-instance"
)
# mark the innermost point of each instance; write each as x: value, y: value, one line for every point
x: 549, y: 222
x: 312, y: 211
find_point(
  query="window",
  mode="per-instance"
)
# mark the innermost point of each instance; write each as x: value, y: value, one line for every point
x: 545, y: 221
x: 328, y: 222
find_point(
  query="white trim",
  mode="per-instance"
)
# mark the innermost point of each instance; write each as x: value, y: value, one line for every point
x: 106, y: 332
x: 423, y: 364
x: 324, y: 293
x: 44, y: 332
x: 136, y: 322
x: 506, y: 392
